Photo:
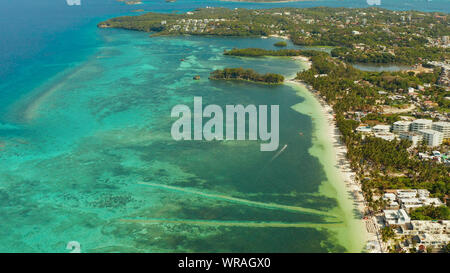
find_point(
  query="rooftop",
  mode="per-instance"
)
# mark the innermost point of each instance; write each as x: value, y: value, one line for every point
x: 441, y: 123
x: 429, y: 131
x: 402, y: 122
x: 381, y: 126
x: 425, y: 121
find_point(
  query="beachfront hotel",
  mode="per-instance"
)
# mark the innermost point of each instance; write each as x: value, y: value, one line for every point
x: 381, y: 128
x: 408, y: 199
x: 416, y: 233
x: 428, y: 233
x: 421, y: 124
x: 396, y: 217
x: 432, y: 138
x: 401, y: 126
x: 443, y: 127
x: 415, y: 138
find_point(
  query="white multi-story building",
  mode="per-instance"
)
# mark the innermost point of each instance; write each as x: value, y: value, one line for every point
x: 415, y: 138
x: 421, y: 124
x: 381, y: 128
x: 406, y: 193
x: 412, y: 198
x: 434, y: 240
x: 391, y: 200
x: 426, y: 226
x: 422, y: 193
x: 401, y: 126
x: 432, y: 138
x: 443, y: 127
x: 386, y: 136
x: 413, y: 203
x: 396, y: 217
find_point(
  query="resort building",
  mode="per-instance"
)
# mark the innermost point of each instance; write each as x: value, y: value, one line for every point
x: 413, y: 203
x: 415, y: 138
x: 434, y: 240
x: 410, y: 199
x: 386, y: 136
x: 432, y: 138
x: 431, y: 227
x: 401, y: 126
x: 381, y: 128
x: 391, y: 200
x: 421, y: 124
x: 406, y: 193
x: 396, y: 217
x: 422, y: 193
x: 443, y: 127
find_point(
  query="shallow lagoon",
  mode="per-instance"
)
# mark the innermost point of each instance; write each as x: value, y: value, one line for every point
x: 75, y: 149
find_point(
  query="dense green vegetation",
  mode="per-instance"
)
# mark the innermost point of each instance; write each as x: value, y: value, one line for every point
x: 379, y: 164
x: 431, y: 213
x: 247, y: 75
x: 403, y: 55
x: 280, y: 44
x: 363, y: 35
x: 387, y: 233
x: 258, y: 52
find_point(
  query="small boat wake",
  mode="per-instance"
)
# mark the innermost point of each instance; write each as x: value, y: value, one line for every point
x: 278, y: 153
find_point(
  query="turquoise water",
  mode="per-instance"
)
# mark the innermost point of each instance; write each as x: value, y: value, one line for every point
x: 82, y: 143
x: 86, y: 153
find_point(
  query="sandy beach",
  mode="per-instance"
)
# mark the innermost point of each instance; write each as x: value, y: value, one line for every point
x: 341, y: 176
x: 280, y: 36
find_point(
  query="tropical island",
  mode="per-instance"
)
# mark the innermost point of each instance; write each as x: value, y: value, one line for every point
x: 394, y: 125
x: 246, y: 75
x: 280, y: 44
x: 363, y: 35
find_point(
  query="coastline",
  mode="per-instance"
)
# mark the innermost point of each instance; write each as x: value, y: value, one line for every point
x: 343, y: 185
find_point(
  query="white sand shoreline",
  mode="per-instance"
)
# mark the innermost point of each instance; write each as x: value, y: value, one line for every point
x: 352, y: 188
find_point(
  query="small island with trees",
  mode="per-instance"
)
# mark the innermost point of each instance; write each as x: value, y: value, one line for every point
x: 242, y: 74
x: 280, y: 44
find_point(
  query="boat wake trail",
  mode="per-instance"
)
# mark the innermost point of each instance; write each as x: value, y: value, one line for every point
x: 232, y: 223
x: 241, y: 201
x: 278, y: 153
